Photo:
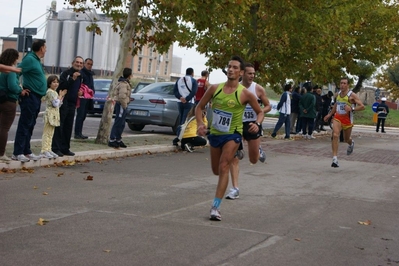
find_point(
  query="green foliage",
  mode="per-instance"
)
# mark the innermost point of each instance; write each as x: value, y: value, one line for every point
x: 288, y: 39
x: 389, y: 79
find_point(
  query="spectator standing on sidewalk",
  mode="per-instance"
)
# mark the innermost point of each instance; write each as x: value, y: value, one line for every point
x: 319, y: 107
x: 229, y: 100
x: 382, y: 111
x: 203, y: 85
x: 11, y: 90
x: 346, y: 103
x: 70, y: 80
x: 307, y: 106
x: 184, y: 90
x: 53, y: 102
x: 296, y: 96
x: 122, y: 92
x: 327, y: 98
x: 34, y: 84
x: 284, y: 108
x: 85, y: 104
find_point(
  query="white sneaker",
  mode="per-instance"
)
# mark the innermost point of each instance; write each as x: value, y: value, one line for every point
x: 53, y: 154
x: 33, y: 157
x: 215, y: 214
x: 311, y: 137
x: 350, y: 148
x: 233, y: 194
x: 335, y: 163
x: 46, y: 155
x: 22, y: 158
x: 5, y: 158
x: 262, y: 155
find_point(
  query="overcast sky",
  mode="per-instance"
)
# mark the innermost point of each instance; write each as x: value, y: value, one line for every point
x: 33, y: 13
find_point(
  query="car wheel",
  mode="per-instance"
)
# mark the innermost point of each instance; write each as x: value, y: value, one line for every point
x: 136, y: 127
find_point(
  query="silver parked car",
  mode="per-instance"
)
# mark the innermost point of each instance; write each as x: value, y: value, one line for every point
x: 155, y: 104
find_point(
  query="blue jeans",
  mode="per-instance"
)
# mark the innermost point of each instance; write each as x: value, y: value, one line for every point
x: 119, y: 123
x: 30, y: 108
x: 283, y: 119
x: 81, y: 114
x: 183, y: 108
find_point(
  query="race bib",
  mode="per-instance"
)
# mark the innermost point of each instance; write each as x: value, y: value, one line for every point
x: 221, y: 120
x: 341, y: 108
x: 249, y: 114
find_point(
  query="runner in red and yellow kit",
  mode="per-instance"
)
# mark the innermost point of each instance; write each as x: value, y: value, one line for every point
x: 346, y: 103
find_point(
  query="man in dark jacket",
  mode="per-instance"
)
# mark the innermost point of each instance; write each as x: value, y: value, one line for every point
x: 327, y: 98
x: 308, y: 114
x: 70, y: 80
x: 382, y: 111
x: 319, y: 106
x: 81, y: 112
x: 296, y: 96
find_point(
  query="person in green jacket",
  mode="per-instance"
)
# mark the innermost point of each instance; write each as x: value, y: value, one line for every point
x: 10, y: 91
x: 34, y: 84
x: 307, y: 108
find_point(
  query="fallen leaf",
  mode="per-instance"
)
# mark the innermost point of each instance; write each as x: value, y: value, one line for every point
x: 42, y: 221
x: 297, y: 239
x: 45, y: 193
x: 89, y: 178
x: 60, y: 174
x: 367, y: 222
x: 35, y: 187
x: 359, y: 248
x: 27, y: 170
x: 107, y: 250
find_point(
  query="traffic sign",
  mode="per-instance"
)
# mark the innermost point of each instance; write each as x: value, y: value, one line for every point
x: 374, y: 106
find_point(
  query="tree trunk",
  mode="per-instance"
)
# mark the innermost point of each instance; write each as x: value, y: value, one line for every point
x: 127, y: 33
x: 359, y: 84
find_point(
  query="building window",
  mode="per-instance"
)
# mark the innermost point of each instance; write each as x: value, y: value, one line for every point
x: 139, y: 64
x: 149, y: 65
x: 166, y: 56
x: 166, y: 68
x: 150, y: 53
x: 140, y: 51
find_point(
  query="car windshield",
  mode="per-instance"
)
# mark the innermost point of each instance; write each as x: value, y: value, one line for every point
x: 159, y: 88
x: 102, y: 85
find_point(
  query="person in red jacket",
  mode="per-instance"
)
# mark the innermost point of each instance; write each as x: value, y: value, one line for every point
x: 203, y: 85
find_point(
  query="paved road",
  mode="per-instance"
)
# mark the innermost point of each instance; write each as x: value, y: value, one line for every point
x: 294, y: 210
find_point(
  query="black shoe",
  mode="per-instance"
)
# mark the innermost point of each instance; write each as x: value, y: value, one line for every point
x: 383, y: 132
x: 175, y: 142
x: 60, y: 154
x: 322, y: 129
x: 68, y: 153
x: 121, y: 144
x: 113, y: 144
x: 81, y: 137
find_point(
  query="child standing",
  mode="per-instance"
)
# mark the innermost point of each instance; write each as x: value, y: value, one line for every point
x: 51, y: 115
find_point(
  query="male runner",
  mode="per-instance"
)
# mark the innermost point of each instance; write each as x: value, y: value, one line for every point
x: 255, y: 151
x: 228, y: 104
x: 346, y: 103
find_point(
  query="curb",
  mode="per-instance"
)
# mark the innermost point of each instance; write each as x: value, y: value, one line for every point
x: 88, y: 155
